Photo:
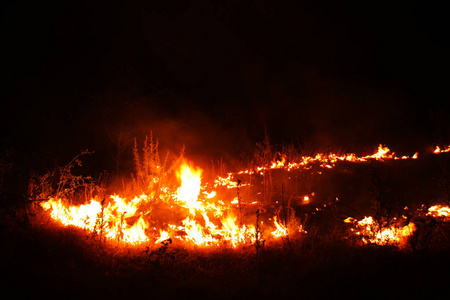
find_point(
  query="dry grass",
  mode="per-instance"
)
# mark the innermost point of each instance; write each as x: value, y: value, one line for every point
x: 49, y: 261
x: 41, y: 259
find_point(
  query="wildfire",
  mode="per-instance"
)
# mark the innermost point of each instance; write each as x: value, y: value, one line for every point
x: 108, y: 220
x: 203, y: 223
x: 190, y: 187
x: 373, y: 232
x: 200, y: 214
x: 327, y: 160
x: 439, y: 211
x: 439, y: 150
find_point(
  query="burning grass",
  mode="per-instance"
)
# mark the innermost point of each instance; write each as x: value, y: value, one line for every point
x: 57, y: 259
x: 288, y: 224
x: 176, y: 204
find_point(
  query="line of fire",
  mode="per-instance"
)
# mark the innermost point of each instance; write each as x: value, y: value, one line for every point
x: 274, y: 201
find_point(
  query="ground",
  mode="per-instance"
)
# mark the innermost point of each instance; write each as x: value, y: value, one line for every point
x: 41, y: 259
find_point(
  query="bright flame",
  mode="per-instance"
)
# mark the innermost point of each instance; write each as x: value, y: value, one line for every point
x: 372, y: 232
x: 163, y: 235
x: 202, y: 216
x: 280, y: 231
x: 382, y: 153
x: 109, y: 220
x: 439, y: 211
x: 190, y: 187
x: 439, y: 150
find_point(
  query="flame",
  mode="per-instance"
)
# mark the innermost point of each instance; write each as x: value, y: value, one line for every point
x: 163, y: 235
x: 280, y: 231
x: 201, y: 215
x: 322, y: 159
x: 136, y: 233
x: 372, y: 232
x: 82, y: 216
x: 382, y: 153
x: 204, y: 223
x: 439, y: 211
x: 277, y: 164
x: 189, y: 190
x: 102, y: 219
x: 439, y: 150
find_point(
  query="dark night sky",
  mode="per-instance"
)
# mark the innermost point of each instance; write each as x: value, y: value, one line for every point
x: 213, y: 74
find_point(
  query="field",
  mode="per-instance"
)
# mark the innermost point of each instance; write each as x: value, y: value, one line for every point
x: 41, y: 258
x: 136, y: 163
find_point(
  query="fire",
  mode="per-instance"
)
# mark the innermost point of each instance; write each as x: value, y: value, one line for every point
x: 374, y: 233
x: 163, y: 235
x: 228, y: 181
x: 439, y: 150
x: 281, y: 231
x: 439, y: 211
x: 109, y: 220
x: 81, y: 216
x: 136, y: 233
x: 329, y: 160
x: 202, y: 222
x: 190, y: 187
x: 278, y: 164
x: 382, y: 153
x: 206, y: 214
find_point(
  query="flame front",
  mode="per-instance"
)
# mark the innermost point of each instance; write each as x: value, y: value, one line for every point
x: 201, y: 215
x: 203, y: 222
x: 109, y: 220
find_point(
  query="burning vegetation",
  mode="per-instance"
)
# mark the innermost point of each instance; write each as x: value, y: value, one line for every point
x: 284, y: 222
x: 272, y: 200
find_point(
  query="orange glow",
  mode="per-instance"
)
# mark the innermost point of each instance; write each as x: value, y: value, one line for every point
x: 371, y: 232
x: 439, y: 211
x: 202, y: 214
x: 189, y: 190
x: 439, y: 150
x: 202, y: 223
x: 163, y: 235
x: 108, y: 219
x: 281, y: 231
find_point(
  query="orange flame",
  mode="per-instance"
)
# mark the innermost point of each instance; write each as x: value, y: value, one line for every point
x: 439, y: 211
x: 204, y: 218
x: 189, y: 190
x: 372, y: 232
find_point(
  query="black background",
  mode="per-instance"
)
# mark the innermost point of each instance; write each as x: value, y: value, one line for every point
x: 214, y: 75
